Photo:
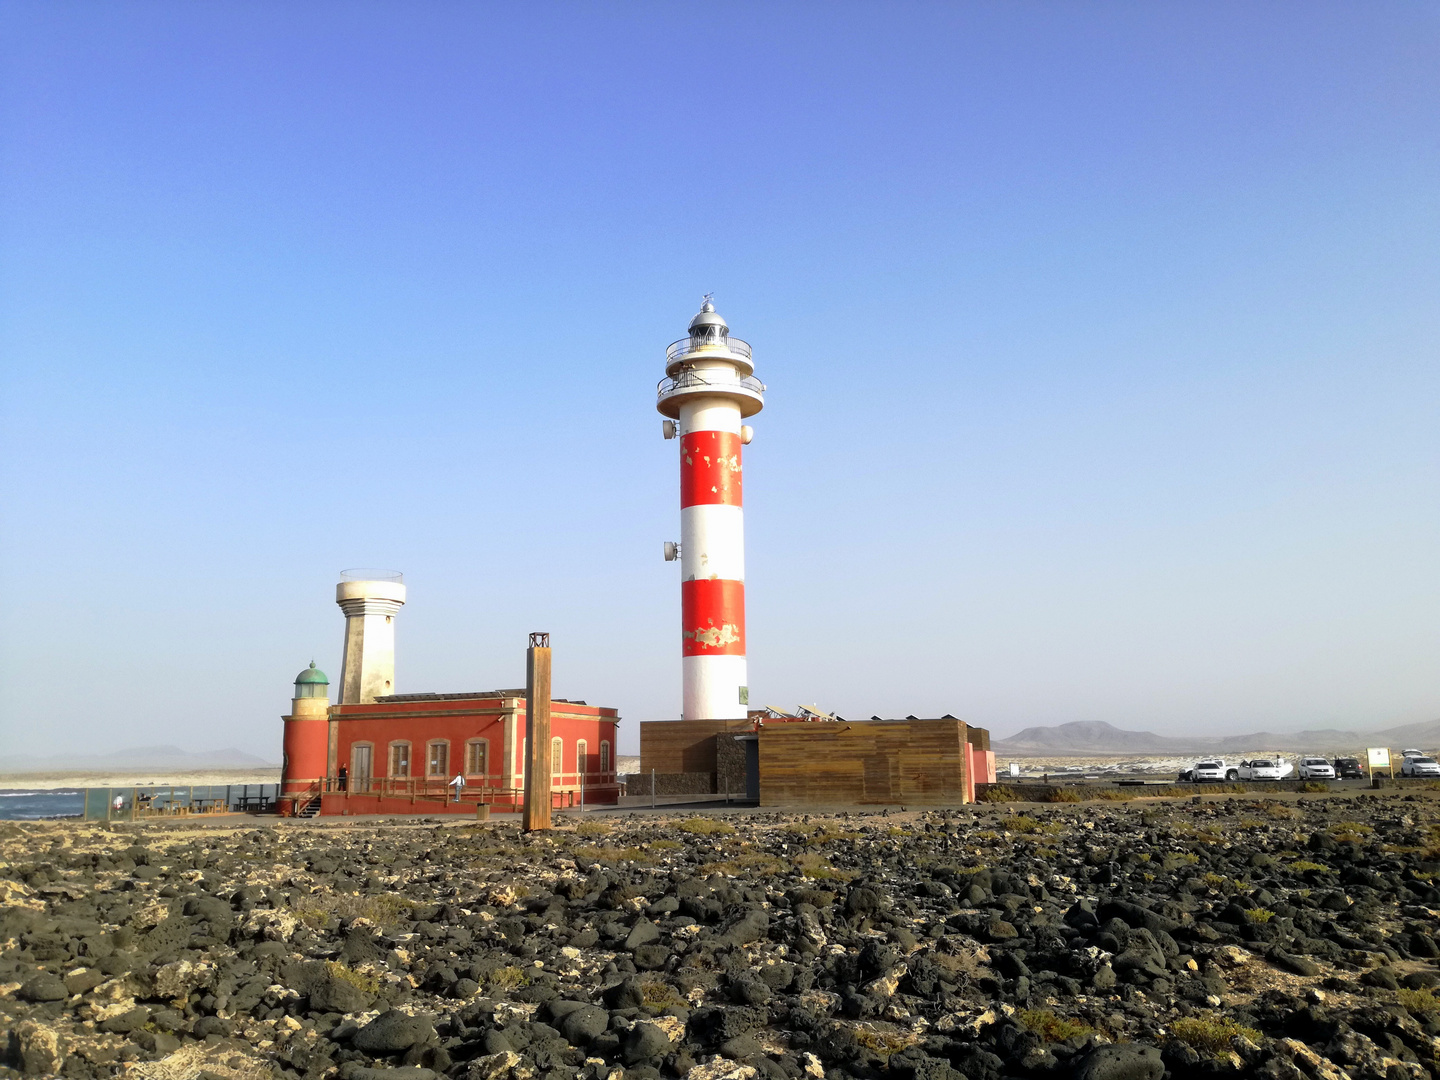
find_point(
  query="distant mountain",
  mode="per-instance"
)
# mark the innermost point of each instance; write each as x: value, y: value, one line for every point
x: 1084, y: 737
x: 137, y: 758
x: 1425, y: 733
x: 1088, y: 737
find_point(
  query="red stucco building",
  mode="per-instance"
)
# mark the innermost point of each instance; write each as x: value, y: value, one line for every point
x: 400, y: 754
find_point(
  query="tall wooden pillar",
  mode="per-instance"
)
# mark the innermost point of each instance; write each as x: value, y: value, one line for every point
x: 537, y: 731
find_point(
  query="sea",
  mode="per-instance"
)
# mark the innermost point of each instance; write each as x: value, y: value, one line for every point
x: 28, y: 804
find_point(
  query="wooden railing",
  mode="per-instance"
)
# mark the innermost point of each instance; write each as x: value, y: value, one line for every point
x: 476, y: 788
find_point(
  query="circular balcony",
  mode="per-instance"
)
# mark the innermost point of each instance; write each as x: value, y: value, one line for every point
x: 688, y: 350
x: 746, y: 391
x: 368, y: 573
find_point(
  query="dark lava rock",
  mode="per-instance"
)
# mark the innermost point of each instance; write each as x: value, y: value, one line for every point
x: 352, y: 1070
x: 651, y: 957
x: 582, y: 1025
x: 393, y: 1032
x: 644, y: 932
x: 43, y: 987
x: 644, y: 1042
x: 1297, y: 965
x: 624, y: 995
x: 126, y: 1022
x: 1126, y: 1061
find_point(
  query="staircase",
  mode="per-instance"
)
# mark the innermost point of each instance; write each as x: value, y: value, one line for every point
x: 309, y: 809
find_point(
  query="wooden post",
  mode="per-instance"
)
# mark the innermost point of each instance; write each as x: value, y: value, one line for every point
x: 537, y: 727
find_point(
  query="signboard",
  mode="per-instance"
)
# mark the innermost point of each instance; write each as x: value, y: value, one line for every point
x: 1379, y: 757
x: 1014, y: 768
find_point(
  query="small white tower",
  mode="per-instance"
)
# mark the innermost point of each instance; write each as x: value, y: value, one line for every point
x: 709, y: 387
x: 370, y: 599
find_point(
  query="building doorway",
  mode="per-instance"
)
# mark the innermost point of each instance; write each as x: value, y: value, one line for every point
x: 361, y: 767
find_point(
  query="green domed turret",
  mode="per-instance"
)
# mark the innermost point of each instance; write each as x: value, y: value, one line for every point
x: 312, y: 683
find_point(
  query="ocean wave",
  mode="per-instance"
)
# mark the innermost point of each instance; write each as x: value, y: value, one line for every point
x: 18, y: 794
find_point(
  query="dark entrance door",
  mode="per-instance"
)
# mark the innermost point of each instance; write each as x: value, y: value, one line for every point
x: 752, y: 769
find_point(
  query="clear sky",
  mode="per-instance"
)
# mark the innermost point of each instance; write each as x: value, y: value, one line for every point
x: 1101, y: 341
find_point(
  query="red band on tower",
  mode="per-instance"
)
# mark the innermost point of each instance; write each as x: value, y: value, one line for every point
x: 712, y: 611
x: 710, y: 468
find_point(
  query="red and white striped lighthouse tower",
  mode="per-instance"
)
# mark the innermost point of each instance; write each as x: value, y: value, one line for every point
x: 709, y: 387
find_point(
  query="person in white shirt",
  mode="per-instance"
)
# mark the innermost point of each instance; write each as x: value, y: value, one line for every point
x: 458, y: 784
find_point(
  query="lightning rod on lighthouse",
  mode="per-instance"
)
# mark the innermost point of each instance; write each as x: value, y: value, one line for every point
x: 708, y: 389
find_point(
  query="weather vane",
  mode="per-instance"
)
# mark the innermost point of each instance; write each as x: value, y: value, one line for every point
x: 708, y: 302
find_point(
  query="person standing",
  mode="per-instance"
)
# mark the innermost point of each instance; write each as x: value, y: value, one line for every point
x: 458, y: 784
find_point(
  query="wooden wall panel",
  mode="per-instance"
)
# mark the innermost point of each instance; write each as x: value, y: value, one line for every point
x: 683, y: 746
x: 920, y: 762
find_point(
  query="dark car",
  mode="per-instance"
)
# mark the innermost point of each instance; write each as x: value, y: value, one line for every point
x: 1348, y: 768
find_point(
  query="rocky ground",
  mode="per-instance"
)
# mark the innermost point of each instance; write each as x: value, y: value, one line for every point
x: 1235, y: 937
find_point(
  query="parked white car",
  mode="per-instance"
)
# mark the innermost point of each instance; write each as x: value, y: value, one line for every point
x: 1419, y: 765
x: 1316, y: 768
x: 1266, y: 768
x: 1203, y: 771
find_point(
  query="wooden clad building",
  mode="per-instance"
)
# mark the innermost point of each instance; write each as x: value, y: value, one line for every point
x: 829, y: 762
x: 872, y: 761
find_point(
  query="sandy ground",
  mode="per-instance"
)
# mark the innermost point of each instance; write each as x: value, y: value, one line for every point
x: 47, y: 781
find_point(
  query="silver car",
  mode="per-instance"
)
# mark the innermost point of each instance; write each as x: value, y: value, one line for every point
x: 1419, y: 765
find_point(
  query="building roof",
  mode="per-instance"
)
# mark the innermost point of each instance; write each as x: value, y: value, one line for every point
x: 312, y: 674
x: 465, y: 697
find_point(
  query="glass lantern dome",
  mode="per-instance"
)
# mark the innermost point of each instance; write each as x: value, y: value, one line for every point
x: 312, y: 683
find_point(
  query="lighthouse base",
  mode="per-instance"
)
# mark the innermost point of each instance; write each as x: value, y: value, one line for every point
x: 715, y: 688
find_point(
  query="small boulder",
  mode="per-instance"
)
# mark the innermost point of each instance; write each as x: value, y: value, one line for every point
x: 645, y: 1042
x: 43, y: 987
x: 1125, y: 1061
x: 393, y: 1032
x: 581, y: 1025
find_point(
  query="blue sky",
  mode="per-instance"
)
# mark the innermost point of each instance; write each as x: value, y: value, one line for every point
x: 1101, y: 342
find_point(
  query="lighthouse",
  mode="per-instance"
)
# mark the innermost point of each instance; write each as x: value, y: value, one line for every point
x: 708, y: 389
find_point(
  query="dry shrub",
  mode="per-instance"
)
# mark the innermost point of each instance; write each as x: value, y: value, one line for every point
x: 385, y: 910
x: 1050, y: 1026
x: 706, y: 826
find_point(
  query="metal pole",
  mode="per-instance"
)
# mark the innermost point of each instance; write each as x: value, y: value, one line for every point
x: 652, y: 789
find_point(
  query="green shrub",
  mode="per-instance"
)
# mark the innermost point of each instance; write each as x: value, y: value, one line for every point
x: 509, y: 978
x: 1050, y: 1026
x: 1210, y: 1035
x: 1420, y: 1002
x: 363, y: 981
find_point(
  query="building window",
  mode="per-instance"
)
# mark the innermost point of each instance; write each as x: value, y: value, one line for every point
x: 582, y: 752
x: 604, y: 756
x: 477, y: 757
x: 400, y: 759
x: 439, y: 760
x: 557, y: 757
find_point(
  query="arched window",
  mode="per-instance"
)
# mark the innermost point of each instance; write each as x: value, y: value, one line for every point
x: 604, y: 756
x: 582, y: 755
x: 477, y: 757
x: 557, y: 757
x: 437, y: 759
x: 399, y: 759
